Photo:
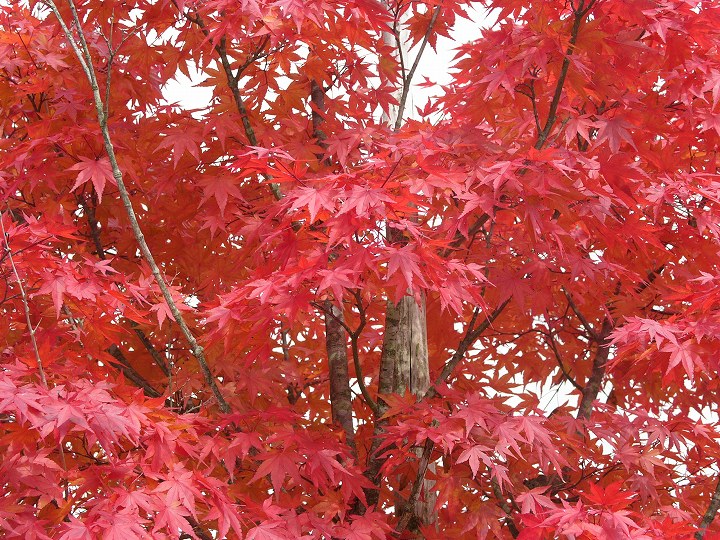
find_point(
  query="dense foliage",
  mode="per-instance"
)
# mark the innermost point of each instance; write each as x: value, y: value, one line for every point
x: 220, y: 363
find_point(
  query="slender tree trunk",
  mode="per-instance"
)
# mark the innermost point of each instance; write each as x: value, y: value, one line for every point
x: 340, y: 396
x: 404, y: 366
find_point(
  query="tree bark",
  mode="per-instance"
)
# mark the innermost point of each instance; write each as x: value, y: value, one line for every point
x: 405, y: 362
x: 340, y: 396
x: 594, y: 383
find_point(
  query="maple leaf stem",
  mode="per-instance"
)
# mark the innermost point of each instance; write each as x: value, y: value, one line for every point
x: 85, y: 59
x: 710, y: 514
x: 26, y: 305
x: 407, y: 79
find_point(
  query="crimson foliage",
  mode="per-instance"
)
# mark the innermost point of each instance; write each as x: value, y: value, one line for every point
x: 556, y: 210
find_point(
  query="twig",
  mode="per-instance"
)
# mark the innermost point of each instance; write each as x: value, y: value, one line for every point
x: 459, y: 238
x: 31, y: 330
x: 505, y: 508
x: 102, y: 255
x: 83, y: 55
x: 354, y: 335
x: 122, y: 362
x: 131, y: 373
x: 561, y: 364
x: 233, y: 79
x: 592, y: 387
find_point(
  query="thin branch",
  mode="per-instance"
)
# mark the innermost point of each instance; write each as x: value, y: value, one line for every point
x: 354, y: 335
x: 102, y: 255
x: 398, y: 45
x: 505, y: 508
x: 594, y: 383
x: 122, y: 362
x: 710, y: 514
x: 31, y: 330
x: 86, y: 62
x: 131, y: 373
x: 459, y: 238
x: 408, y: 79
x: 471, y: 335
x: 579, y: 13
x: 154, y: 353
x: 408, y: 510
x: 232, y: 80
x: 531, y: 94
x: 588, y: 328
x: 374, y: 407
x: 26, y: 305
x: 561, y: 364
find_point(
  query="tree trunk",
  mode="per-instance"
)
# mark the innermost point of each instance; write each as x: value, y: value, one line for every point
x: 404, y: 366
x: 404, y: 360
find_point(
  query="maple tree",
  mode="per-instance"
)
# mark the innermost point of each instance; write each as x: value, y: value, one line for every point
x: 306, y: 310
